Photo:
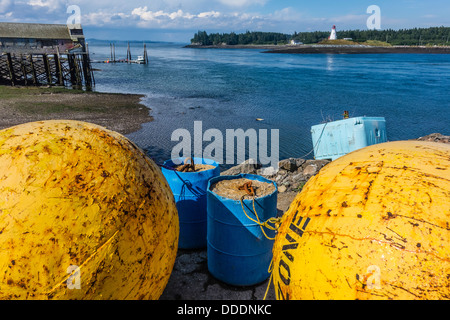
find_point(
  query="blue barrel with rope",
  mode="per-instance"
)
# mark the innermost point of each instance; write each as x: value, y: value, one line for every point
x: 241, y: 231
x: 188, y: 179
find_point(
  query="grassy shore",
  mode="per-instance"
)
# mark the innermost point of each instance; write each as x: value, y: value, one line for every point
x: 123, y: 113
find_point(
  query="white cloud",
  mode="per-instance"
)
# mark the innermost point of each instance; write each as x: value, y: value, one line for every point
x: 145, y: 18
x: 44, y: 3
x: 37, y: 3
x: 144, y: 14
x: 208, y: 14
x: 48, y: 5
x: 105, y: 18
x: 242, y: 3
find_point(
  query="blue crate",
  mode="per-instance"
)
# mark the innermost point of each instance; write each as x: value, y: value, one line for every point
x: 332, y: 140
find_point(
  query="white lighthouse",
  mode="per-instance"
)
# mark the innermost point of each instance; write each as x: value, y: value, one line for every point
x: 333, y: 35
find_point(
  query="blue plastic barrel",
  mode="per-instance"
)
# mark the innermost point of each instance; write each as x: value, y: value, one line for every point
x: 238, y: 251
x: 189, y: 190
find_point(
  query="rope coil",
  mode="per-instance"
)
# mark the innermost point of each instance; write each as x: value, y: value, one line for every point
x: 187, y: 166
x: 271, y: 223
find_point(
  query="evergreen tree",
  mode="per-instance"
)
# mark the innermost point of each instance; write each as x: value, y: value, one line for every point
x: 415, y: 36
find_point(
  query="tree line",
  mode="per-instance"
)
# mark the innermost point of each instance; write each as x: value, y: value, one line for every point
x: 415, y: 36
x: 232, y: 38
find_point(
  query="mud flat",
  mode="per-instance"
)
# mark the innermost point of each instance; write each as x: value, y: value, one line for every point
x: 123, y: 113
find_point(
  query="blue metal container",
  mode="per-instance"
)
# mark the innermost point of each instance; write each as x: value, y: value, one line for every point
x: 189, y: 190
x: 238, y: 251
x: 332, y: 140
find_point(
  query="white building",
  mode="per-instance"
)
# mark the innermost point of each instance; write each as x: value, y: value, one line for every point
x: 296, y: 42
x: 333, y: 35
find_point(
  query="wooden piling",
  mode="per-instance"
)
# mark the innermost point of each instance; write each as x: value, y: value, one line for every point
x: 70, y: 61
x: 33, y: 71
x: 128, y: 54
x: 24, y: 70
x: 59, y: 71
x: 12, y: 74
x: 77, y: 72
x: 86, y: 71
x: 90, y: 70
x: 145, y: 54
x: 47, y: 69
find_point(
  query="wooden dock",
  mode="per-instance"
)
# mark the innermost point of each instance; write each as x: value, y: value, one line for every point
x: 44, y: 54
x: 140, y: 60
x: 70, y: 70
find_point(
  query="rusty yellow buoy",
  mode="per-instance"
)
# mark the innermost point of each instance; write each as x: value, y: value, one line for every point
x: 84, y: 214
x: 373, y: 224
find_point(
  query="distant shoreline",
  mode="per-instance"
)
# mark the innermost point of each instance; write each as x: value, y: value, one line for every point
x: 236, y: 46
x: 331, y: 49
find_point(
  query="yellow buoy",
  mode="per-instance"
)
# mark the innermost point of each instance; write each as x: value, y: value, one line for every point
x: 84, y: 214
x: 373, y: 224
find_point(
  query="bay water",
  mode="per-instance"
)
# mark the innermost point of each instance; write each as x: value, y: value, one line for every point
x: 231, y: 88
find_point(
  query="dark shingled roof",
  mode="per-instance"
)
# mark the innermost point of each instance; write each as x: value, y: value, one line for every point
x: 34, y: 31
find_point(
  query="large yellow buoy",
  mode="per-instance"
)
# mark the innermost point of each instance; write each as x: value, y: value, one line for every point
x: 84, y: 214
x: 373, y: 224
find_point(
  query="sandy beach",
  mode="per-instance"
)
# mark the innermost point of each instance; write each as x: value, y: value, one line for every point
x: 123, y: 113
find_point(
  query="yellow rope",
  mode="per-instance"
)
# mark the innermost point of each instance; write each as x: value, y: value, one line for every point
x: 274, y: 221
x: 267, y: 224
x: 270, y: 279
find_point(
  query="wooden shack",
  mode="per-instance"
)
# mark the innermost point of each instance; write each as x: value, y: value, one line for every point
x: 44, y: 54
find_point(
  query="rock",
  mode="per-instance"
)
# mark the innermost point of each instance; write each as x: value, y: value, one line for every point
x: 267, y: 172
x: 250, y: 166
x: 312, y: 167
x: 299, y: 162
x: 288, y: 164
x: 435, y: 137
x: 310, y: 170
x: 319, y: 163
x: 290, y: 176
x: 298, y: 177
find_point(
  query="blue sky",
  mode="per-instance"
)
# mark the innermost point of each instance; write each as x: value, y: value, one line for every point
x: 178, y: 20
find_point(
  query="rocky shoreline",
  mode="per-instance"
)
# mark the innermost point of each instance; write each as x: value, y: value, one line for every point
x: 349, y: 49
x: 331, y: 49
